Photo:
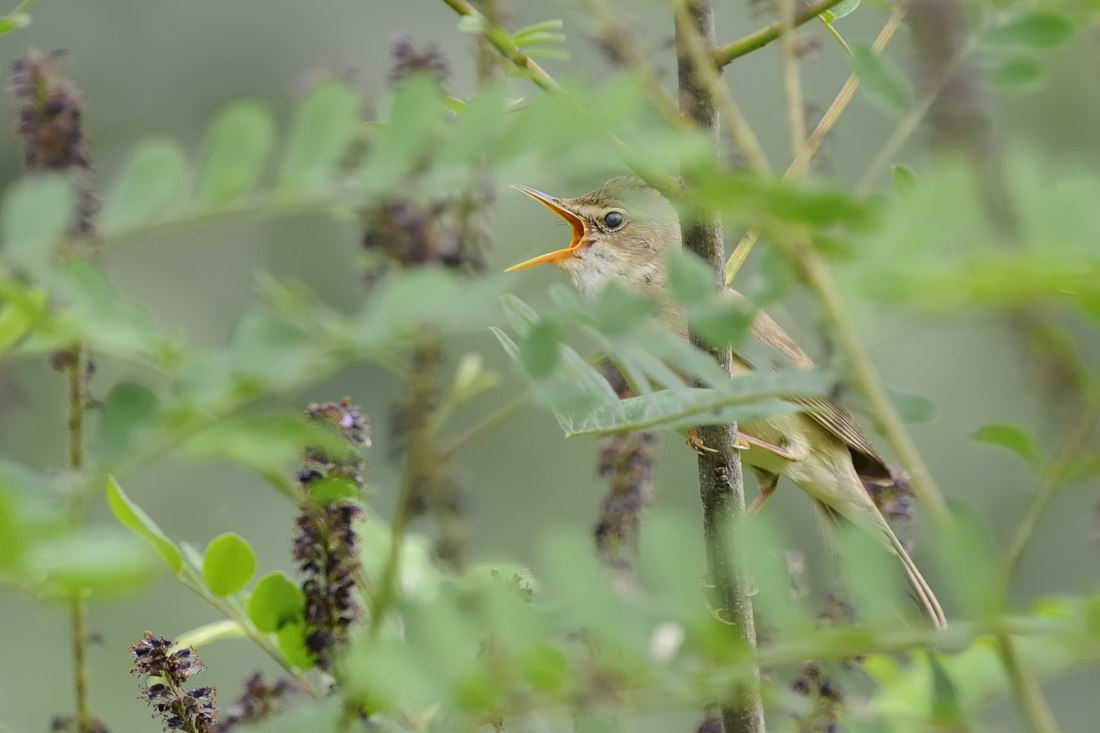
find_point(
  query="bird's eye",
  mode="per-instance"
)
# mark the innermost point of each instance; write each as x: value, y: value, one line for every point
x: 614, y: 219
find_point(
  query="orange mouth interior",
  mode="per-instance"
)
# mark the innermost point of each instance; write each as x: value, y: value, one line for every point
x: 579, y: 230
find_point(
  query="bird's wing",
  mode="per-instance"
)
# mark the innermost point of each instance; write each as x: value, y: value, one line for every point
x: 827, y: 413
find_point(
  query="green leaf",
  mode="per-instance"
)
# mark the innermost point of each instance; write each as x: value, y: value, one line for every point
x: 396, y: 149
x: 236, y: 149
x: 747, y: 398
x: 36, y: 214
x: 1014, y: 439
x: 912, y: 408
x: 134, y: 517
x: 13, y: 21
x: 23, y: 307
x: 690, y: 280
x: 100, y: 560
x: 1018, y: 75
x: 1037, y: 29
x: 540, y: 352
x: 149, y: 184
x: 619, y: 309
x: 276, y: 601
x: 723, y: 323
x: 905, y: 179
x: 333, y: 488
x: 880, y: 80
x: 128, y: 417
x: 521, y: 317
x: 320, y: 137
x: 292, y: 643
x: 841, y: 9
x: 268, y: 445
x: 228, y: 564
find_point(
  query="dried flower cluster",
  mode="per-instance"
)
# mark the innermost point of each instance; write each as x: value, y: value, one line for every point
x: 166, y: 672
x: 260, y: 700
x: 50, y: 123
x: 825, y: 695
x: 326, y: 545
x: 626, y: 461
x: 409, y: 60
x: 894, y: 500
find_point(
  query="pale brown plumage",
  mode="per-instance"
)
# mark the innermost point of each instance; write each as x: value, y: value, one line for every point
x: 622, y: 231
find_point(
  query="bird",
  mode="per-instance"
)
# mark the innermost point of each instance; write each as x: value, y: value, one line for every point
x: 622, y: 232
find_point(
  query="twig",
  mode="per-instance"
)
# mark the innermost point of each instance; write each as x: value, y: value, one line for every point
x: 835, y: 34
x: 502, y: 42
x: 744, y: 46
x: 909, y: 124
x: 697, y: 46
x: 792, y: 81
x: 74, y: 375
x: 487, y: 423
x: 23, y: 7
x: 1028, y: 695
x: 721, y: 484
x: 1052, y: 477
x: 801, y: 162
x: 188, y: 581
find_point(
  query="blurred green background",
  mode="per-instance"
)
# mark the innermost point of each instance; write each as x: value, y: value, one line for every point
x: 152, y: 68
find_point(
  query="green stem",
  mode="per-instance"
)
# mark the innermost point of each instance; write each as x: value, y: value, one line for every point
x: 502, y: 414
x: 74, y: 375
x: 1030, y: 698
x: 909, y: 124
x: 502, y: 42
x: 744, y: 46
x: 189, y: 581
x: 23, y: 7
x: 1074, y: 438
x: 835, y: 34
x: 792, y: 80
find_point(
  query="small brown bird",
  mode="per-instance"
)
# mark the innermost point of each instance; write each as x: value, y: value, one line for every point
x: 622, y: 231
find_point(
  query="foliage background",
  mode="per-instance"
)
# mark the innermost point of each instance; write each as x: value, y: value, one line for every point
x: 167, y: 68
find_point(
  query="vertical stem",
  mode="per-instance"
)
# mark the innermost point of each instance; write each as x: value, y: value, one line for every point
x: 792, y: 81
x: 74, y: 374
x: 721, y: 484
x: 1030, y: 698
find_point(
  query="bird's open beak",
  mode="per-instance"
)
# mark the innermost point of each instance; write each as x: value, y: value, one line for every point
x: 579, y: 230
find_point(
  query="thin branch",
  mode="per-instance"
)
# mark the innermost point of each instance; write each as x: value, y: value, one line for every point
x: 801, y: 162
x: 73, y: 361
x: 1052, y: 480
x: 1028, y: 695
x: 792, y: 80
x: 909, y: 124
x: 697, y: 47
x: 721, y: 483
x: 835, y: 34
x: 502, y: 42
x: 488, y: 422
x: 23, y: 7
x: 187, y: 580
x: 744, y: 46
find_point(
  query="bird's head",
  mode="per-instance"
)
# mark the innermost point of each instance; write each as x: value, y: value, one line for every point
x: 621, y: 231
